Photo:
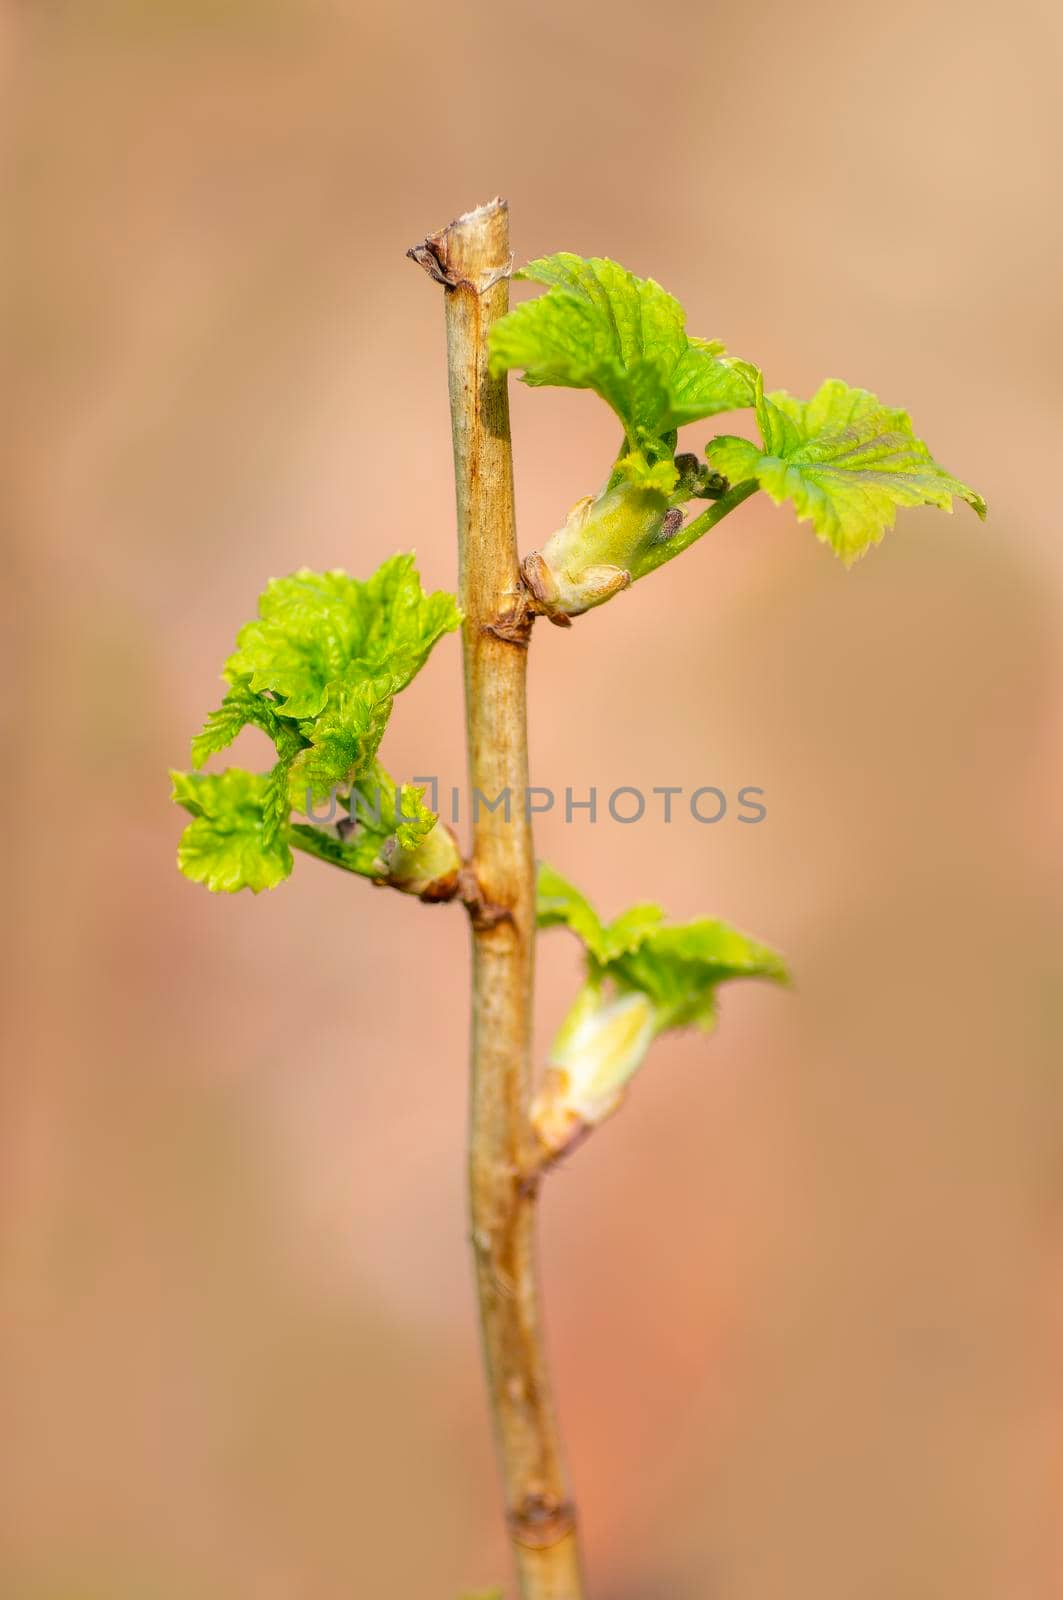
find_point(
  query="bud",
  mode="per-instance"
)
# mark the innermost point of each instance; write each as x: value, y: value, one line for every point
x: 611, y: 539
x: 697, y: 480
x: 597, y: 552
x: 600, y: 1045
x: 430, y: 869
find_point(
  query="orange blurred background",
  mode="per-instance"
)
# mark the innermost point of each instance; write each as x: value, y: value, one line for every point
x: 804, y: 1296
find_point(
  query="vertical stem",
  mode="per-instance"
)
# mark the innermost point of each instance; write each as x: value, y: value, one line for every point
x: 471, y: 259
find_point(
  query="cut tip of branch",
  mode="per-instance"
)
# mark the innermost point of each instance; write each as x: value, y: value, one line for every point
x: 479, y: 213
x: 442, y: 254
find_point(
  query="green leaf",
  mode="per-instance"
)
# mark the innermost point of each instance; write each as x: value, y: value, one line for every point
x: 560, y: 904
x: 599, y: 327
x: 328, y: 846
x: 224, y: 846
x: 680, y: 967
x: 677, y: 965
x: 411, y: 820
x: 633, y: 468
x: 276, y: 796
x: 643, y: 977
x: 316, y: 628
x: 384, y: 811
x: 844, y: 459
x: 318, y: 672
x: 402, y: 622
x: 240, y: 708
x: 628, y: 932
x: 343, y: 738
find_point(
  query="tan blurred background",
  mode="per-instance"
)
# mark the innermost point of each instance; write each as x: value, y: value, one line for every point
x: 805, y: 1295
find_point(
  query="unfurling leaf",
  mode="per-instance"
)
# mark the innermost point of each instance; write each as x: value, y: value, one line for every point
x: 844, y: 459
x: 599, y: 327
x: 391, y: 836
x: 241, y: 708
x: 680, y: 967
x: 560, y: 904
x: 225, y: 845
x: 317, y: 671
x: 316, y: 628
x: 644, y: 976
x: 344, y: 737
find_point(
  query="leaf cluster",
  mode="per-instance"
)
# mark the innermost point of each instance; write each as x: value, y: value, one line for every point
x: 317, y: 670
x: 678, y: 966
x: 843, y: 459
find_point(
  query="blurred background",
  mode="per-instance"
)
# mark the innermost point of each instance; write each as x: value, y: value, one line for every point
x: 805, y: 1296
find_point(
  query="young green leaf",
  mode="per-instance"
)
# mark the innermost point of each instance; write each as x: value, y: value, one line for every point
x: 234, y: 843
x: 634, y: 469
x: 680, y: 967
x: 240, y: 708
x: 560, y: 904
x: 405, y: 814
x: 389, y: 835
x: 643, y: 976
x: 225, y: 845
x: 677, y: 965
x: 318, y: 672
x: 276, y: 796
x: 344, y: 737
x: 314, y: 629
x: 599, y: 327
x: 844, y: 459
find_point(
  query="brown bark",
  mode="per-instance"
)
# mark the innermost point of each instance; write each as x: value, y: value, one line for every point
x: 471, y: 259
